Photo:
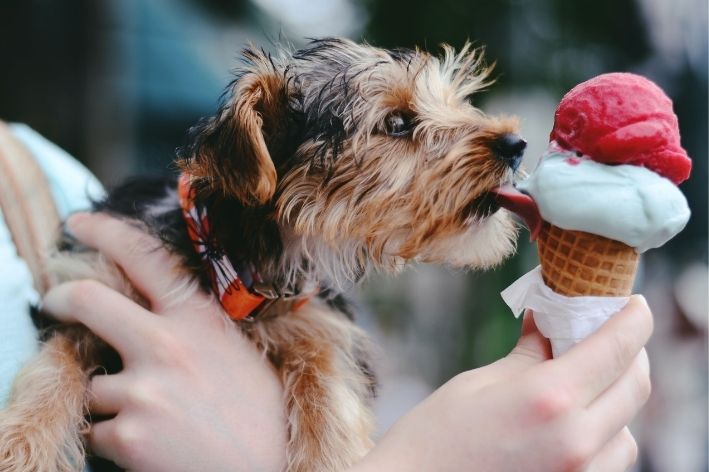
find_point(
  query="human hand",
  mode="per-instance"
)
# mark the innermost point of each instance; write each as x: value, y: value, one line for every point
x: 530, y: 412
x: 194, y: 393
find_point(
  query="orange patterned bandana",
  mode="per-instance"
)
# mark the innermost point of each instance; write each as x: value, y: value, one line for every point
x: 232, y: 285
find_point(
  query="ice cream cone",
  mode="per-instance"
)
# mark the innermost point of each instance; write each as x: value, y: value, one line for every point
x: 610, y: 176
x: 576, y: 263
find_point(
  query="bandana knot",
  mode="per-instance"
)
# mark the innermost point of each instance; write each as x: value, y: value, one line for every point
x: 237, y: 285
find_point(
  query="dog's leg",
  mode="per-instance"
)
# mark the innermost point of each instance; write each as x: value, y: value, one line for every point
x: 41, y: 428
x: 327, y: 387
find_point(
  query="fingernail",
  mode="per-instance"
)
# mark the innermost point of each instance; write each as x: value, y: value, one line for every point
x: 74, y: 220
x: 638, y: 299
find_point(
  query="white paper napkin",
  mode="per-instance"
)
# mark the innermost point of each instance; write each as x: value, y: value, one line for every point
x: 563, y: 320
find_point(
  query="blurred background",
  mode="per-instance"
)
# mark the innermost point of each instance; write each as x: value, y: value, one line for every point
x: 118, y: 82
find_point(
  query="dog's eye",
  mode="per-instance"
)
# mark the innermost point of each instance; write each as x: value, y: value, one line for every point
x: 398, y: 123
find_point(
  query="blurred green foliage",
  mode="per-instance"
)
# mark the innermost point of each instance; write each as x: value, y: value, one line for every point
x: 533, y: 42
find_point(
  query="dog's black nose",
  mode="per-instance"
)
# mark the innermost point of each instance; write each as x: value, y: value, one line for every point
x: 510, y: 147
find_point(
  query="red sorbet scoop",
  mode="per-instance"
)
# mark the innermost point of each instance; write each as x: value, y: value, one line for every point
x: 622, y: 118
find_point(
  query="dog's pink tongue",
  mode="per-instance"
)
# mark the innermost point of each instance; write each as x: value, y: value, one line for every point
x: 521, y: 204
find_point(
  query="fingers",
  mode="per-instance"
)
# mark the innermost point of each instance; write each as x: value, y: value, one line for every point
x: 97, y: 307
x: 532, y: 347
x: 619, y: 404
x: 106, y: 439
x: 529, y: 327
x: 146, y: 263
x: 107, y: 394
x: 618, y: 455
x: 593, y: 365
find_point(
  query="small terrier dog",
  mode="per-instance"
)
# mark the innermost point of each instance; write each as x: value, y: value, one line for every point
x: 320, y: 166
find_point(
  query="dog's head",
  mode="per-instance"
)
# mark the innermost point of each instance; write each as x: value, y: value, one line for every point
x: 377, y: 155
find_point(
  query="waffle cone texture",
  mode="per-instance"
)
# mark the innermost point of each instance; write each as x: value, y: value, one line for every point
x: 576, y: 263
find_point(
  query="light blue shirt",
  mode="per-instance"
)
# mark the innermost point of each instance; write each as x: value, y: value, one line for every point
x: 73, y: 187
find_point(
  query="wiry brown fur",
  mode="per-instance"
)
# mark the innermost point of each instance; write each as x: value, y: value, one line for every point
x: 327, y: 396
x: 41, y: 429
x: 252, y: 177
x: 322, y: 164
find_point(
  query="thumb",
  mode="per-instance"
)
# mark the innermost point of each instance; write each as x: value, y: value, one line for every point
x: 531, y: 347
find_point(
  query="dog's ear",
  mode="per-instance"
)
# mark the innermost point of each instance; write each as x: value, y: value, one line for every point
x: 229, y: 152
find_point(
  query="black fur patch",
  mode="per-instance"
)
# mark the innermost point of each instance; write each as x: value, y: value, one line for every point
x: 325, y: 112
x: 153, y: 201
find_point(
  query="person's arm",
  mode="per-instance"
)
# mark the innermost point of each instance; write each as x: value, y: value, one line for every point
x: 529, y: 412
x: 196, y: 395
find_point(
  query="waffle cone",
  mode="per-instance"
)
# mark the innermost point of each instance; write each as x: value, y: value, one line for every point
x: 576, y: 263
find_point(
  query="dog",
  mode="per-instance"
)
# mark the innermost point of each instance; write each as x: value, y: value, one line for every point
x: 320, y: 166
